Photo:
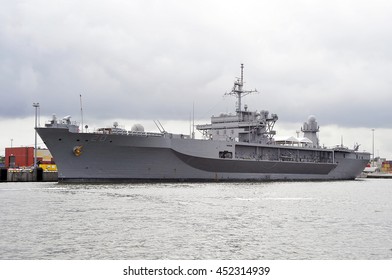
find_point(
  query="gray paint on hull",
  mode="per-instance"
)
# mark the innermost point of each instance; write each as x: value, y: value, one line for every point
x: 133, y: 158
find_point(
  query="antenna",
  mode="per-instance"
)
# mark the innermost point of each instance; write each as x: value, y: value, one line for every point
x: 160, y: 126
x: 81, y: 110
x: 193, y: 120
x: 160, y: 130
x: 238, y: 89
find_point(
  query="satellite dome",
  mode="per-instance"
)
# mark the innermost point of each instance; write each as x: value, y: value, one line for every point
x: 311, y: 119
x: 137, y: 127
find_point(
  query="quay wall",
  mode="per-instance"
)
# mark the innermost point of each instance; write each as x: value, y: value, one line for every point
x: 27, y: 175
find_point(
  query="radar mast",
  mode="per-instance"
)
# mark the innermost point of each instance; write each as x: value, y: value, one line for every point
x: 238, y: 90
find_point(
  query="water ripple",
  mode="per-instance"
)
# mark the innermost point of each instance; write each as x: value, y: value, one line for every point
x: 285, y: 220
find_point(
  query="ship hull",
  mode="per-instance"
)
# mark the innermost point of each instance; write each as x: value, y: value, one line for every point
x: 125, y: 158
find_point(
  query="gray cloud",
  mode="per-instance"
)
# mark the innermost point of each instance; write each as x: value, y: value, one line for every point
x: 153, y: 59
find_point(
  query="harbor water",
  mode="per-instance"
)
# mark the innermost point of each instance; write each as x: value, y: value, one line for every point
x: 342, y: 220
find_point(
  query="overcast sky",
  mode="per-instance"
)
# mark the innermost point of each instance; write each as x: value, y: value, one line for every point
x: 147, y: 60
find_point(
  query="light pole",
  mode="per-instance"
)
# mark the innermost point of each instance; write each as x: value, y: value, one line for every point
x: 36, y: 106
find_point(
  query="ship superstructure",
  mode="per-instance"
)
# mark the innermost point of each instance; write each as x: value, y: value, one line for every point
x: 244, y: 125
x: 238, y: 146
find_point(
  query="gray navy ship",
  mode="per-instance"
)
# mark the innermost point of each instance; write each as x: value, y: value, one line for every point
x: 241, y: 146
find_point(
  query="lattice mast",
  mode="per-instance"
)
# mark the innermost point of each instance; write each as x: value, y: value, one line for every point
x: 238, y: 90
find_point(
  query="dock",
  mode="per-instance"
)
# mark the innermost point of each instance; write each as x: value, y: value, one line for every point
x: 27, y: 175
x: 379, y: 175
